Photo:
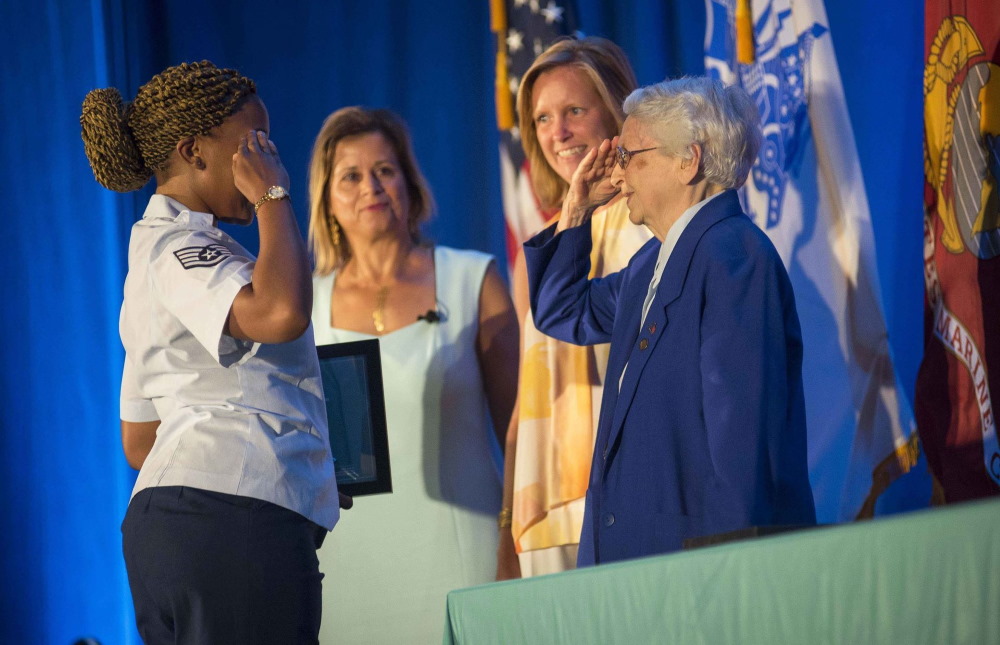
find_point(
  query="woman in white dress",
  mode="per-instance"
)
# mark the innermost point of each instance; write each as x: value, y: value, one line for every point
x: 449, y: 345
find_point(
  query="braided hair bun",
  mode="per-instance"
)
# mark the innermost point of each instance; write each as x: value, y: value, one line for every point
x: 108, y: 142
x: 127, y: 142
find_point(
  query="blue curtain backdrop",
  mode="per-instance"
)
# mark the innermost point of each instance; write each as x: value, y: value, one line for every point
x: 65, y: 482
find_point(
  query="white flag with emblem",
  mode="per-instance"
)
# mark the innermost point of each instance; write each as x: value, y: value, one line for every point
x: 806, y: 192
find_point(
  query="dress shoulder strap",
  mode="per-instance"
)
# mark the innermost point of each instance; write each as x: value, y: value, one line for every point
x: 459, y: 277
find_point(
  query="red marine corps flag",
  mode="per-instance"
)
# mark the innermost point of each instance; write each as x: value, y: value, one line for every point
x: 955, y: 386
x: 524, y: 29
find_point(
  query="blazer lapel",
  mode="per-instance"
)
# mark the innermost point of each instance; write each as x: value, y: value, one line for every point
x: 640, y: 343
x: 625, y: 332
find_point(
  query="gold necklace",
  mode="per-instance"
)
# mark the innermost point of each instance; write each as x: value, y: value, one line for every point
x: 378, y: 315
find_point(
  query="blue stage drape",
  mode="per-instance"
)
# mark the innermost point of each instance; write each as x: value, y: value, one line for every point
x: 64, y: 480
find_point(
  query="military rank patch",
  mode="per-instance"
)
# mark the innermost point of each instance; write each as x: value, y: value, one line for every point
x: 194, y: 257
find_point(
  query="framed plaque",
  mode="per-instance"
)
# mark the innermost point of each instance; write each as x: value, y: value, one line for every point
x: 355, y: 412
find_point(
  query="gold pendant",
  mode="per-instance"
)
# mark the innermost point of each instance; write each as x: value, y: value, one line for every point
x: 378, y: 315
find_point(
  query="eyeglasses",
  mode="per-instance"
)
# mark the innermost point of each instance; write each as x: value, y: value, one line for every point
x: 625, y: 155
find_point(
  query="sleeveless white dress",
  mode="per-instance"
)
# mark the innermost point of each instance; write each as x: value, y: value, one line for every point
x: 393, y: 558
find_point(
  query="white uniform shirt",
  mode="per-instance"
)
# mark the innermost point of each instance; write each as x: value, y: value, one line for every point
x: 235, y: 417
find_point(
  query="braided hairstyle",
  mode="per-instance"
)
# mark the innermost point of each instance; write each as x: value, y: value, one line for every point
x: 127, y: 142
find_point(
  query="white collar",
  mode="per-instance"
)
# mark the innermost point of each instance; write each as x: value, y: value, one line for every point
x: 163, y: 207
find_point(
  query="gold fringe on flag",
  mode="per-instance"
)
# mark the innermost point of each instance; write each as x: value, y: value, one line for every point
x: 745, y: 50
x: 504, y: 100
x: 892, y: 467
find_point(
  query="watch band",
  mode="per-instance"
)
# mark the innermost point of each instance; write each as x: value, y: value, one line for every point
x: 273, y: 194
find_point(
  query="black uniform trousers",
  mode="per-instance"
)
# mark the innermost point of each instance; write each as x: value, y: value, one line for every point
x: 213, y: 568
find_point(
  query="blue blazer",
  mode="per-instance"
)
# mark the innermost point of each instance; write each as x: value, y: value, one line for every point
x: 708, y: 432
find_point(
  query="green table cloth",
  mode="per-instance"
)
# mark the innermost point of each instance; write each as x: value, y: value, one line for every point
x: 931, y: 576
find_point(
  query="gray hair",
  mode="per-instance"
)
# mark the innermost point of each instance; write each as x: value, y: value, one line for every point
x: 724, y: 121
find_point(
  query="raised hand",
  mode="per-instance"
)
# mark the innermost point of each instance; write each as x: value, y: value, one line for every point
x: 257, y: 166
x: 275, y: 306
x: 590, y: 186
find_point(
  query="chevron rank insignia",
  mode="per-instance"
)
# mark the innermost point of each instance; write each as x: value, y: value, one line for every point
x: 194, y: 257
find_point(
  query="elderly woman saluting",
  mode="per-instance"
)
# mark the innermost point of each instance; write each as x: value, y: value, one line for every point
x: 702, y: 426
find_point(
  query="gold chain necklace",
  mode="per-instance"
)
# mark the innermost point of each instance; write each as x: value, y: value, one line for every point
x: 378, y: 315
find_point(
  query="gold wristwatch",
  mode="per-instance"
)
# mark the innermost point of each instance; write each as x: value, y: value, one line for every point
x: 273, y: 194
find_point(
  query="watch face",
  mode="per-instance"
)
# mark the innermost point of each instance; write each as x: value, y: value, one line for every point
x: 277, y: 192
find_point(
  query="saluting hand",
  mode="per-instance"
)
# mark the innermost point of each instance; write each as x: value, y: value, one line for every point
x: 257, y: 166
x: 590, y: 186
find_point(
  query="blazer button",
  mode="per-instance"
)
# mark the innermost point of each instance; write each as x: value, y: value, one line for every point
x: 643, y: 344
x: 609, y: 519
x: 652, y: 328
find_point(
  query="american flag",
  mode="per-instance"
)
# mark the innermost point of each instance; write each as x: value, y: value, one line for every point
x: 524, y: 29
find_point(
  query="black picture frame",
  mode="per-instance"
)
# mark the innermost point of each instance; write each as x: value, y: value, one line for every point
x: 355, y: 409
